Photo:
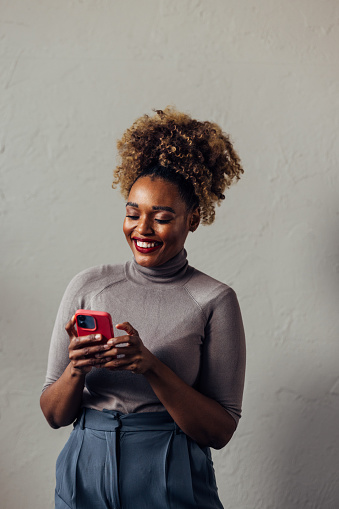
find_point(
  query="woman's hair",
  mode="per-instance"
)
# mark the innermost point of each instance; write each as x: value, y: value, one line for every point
x: 197, y: 156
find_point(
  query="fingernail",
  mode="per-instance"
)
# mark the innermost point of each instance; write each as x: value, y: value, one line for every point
x: 106, y: 347
x: 97, y: 336
x: 110, y: 341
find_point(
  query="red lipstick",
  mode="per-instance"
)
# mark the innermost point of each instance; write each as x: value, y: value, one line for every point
x: 146, y: 250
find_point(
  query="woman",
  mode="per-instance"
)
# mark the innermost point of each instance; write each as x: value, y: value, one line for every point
x: 151, y: 402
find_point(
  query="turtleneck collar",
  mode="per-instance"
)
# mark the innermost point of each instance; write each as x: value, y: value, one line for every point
x: 170, y: 272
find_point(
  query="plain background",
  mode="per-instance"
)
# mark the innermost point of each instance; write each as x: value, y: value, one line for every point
x: 74, y: 76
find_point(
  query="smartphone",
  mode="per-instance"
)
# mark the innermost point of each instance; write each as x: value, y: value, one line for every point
x: 94, y: 322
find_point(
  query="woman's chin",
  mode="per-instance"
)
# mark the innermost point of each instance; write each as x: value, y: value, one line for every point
x: 146, y: 261
x: 151, y: 259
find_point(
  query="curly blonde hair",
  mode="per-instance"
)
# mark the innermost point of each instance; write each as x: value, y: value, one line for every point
x: 198, y: 151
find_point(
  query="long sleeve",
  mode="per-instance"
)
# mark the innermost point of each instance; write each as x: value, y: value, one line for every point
x: 222, y: 370
x: 58, y: 351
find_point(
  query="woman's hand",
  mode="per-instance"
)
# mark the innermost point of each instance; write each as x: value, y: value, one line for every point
x: 83, y: 350
x: 136, y: 357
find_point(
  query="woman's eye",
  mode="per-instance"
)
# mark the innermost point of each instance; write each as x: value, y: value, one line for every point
x: 163, y: 221
x: 159, y: 221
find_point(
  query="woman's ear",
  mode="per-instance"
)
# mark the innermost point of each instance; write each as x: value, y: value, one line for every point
x: 195, y: 219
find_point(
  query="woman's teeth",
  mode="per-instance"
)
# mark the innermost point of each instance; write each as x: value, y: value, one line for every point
x: 146, y: 244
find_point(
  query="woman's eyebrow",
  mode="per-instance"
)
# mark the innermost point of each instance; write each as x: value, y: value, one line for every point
x: 167, y: 209
x: 155, y: 207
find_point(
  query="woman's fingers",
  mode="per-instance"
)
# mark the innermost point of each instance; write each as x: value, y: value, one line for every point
x: 131, y: 354
x: 122, y: 352
x: 125, y: 351
x: 126, y: 363
x: 88, y: 351
x: 126, y: 326
x: 87, y: 357
x: 70, y: 328
x: 85, y: 341
x: 82, y: 350
x: 90, y: 362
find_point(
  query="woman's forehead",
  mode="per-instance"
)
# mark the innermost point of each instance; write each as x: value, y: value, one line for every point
x: 155, y: 192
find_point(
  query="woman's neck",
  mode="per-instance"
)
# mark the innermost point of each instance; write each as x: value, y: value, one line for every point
x: 170, y: 272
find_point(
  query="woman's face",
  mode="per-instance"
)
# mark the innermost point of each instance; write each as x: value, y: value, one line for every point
x: 157, y: 221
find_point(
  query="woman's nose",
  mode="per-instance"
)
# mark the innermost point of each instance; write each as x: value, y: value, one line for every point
x: 145, y: 226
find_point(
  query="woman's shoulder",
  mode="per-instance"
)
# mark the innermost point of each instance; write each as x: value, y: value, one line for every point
x: 207, y: 290
x: 95, y: 278
x: 102, y: 271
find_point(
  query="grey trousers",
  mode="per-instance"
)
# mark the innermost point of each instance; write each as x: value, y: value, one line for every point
x: 133, y: 461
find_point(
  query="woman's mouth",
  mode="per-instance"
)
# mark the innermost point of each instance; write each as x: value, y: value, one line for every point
x: 146, y: 246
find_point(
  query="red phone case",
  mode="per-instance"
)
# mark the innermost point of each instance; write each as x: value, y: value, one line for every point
x: 103, y: 323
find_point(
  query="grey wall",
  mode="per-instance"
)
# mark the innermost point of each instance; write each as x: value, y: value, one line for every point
x: 74, y: 75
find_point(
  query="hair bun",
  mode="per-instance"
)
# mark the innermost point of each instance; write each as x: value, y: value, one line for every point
x: 199, y: 151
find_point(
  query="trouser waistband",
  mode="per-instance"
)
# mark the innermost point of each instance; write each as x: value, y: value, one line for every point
x: 110, y: 420
x: 116, y: 422
x: 102, y: 465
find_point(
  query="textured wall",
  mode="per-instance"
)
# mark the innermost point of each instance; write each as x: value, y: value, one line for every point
x: 74, y: 75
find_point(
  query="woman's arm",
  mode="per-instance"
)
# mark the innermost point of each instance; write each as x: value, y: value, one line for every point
x: 61, y: 401
x: 200, y: 417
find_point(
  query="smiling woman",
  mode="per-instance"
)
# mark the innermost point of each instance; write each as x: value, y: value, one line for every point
x: 175, y: 383
x: 157, y: 221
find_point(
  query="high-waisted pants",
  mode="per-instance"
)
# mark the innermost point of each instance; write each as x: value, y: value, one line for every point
x: 133, y: 461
